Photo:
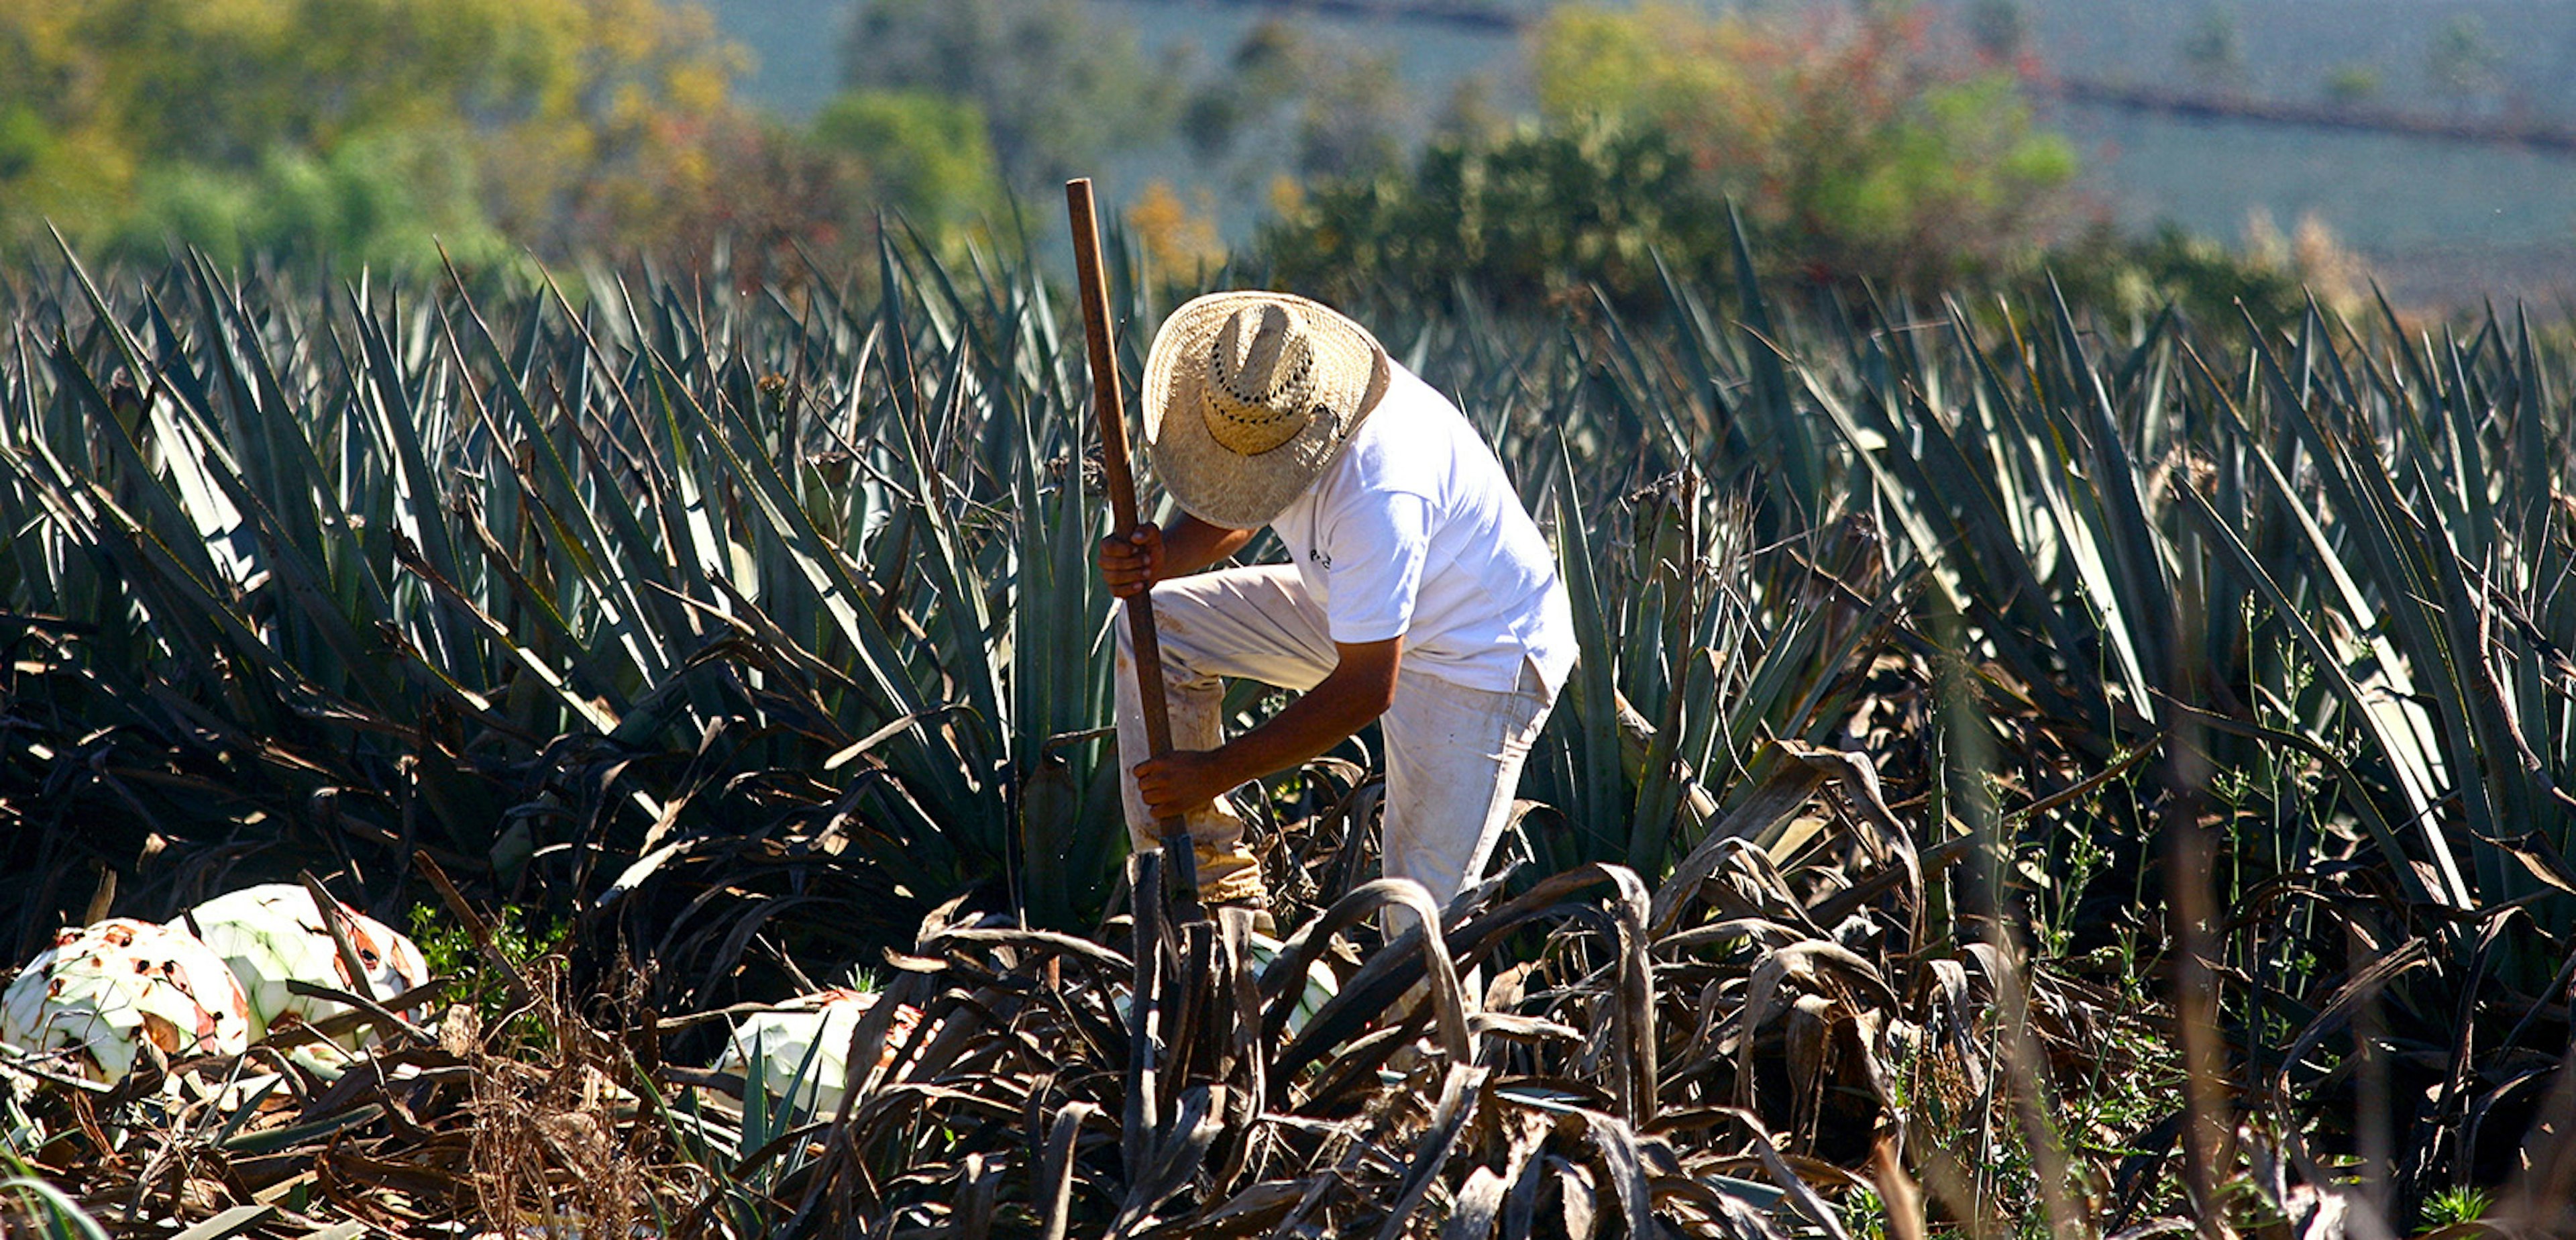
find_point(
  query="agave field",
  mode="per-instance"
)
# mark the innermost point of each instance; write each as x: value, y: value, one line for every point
x: 2029, y: 774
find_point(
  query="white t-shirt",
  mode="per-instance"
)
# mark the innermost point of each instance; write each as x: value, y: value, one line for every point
x: 1414, y: 531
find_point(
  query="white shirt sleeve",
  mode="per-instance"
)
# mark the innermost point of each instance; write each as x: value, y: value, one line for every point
x: 1373, y: 557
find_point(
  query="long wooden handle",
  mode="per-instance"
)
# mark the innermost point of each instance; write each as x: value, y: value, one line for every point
x: 1110, y: 411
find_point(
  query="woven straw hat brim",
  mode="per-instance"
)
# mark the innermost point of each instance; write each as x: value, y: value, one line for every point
x: 1243, y: 491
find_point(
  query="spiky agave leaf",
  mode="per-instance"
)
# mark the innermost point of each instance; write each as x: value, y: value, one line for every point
x: 273, y: 934
x: 88, y: 1004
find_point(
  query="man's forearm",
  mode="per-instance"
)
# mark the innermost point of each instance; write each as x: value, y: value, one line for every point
x: 1190, y: 544
x: 1318, y: 720
x: 1360, y: 688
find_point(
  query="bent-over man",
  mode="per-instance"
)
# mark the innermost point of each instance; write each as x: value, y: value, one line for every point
x: 1421, y: 592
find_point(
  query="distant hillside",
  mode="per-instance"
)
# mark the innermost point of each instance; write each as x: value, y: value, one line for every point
x: 796, y: 43
x: 2295, y: 50
x: 2288, y: 51
x: 797, y: 46
x: 2434, y: 214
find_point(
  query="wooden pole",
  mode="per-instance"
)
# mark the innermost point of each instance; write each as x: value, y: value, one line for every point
x: 1110, y: 411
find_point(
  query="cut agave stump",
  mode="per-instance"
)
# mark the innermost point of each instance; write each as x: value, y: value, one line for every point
x: 274, y: 934
x: 815, y: 1028
x: 1311, y: 998
x: 87, y: 1005
x: 1263, y: 951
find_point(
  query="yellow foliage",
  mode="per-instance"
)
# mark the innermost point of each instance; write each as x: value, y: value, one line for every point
x: 1861, y: 136
x: 577, y: 113
x: 1287, y: 196
x: 1177, y: 241
x: 2312, y: 255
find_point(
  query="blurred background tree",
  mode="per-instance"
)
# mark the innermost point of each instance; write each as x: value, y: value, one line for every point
x: 926, y: 155
x: 385, y: 199
x: 1857, y: 138
x: 1537, y: 215
x: 1057, y: 91
x: 1178, y: 239
x: 357, y: 127
x: 2354, y: 84
x: 1890, y: 142
x: 2213, y: 50
x: 1855, y: 143
x: 1287, y: 100
x: 2461, y: 64
x: 2000, y: 29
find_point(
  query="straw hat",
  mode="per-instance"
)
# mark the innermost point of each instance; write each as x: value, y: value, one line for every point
x: 1247, y: 398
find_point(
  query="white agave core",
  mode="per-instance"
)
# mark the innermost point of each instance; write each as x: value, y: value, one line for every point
x: 274, y: 934
x: 818, y: 1026
x: 1262, y: 951
x: 1320, y: 987
x: 85, y: 1006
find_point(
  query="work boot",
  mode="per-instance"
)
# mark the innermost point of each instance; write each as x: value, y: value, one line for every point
x: 1229, y: 874
x: 1263, y: 923
x: 1232, y: 884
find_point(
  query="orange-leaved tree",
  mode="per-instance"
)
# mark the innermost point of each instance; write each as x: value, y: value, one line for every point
x: 1869, y: 142
x: 358, y: 127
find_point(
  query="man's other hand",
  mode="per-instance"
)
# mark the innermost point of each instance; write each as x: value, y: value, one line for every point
x: 1181, y: 781
x: 1129, y: 565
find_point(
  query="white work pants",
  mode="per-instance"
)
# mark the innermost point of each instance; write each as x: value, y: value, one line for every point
x: 1453, y: 754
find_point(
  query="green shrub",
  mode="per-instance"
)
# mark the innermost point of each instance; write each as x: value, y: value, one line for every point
x: 1539, y: 216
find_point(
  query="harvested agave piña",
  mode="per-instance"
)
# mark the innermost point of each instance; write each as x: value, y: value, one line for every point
x: 1311, y: 998
x: 1263, y: 952
x: 88, y: 1005
x: 274, y: 934
x: 805, y: 1043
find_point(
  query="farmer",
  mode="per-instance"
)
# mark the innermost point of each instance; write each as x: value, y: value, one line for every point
x: 1420, y: 591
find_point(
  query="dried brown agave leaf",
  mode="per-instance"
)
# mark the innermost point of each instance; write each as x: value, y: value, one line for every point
x: 1577, y: 1199
x: 1479, y: 1204
x: 1776, y: 801
x: 1173, y: 1161
x: 1809, y: 966
x: 1767, y: 1149
x: 1381, y: 983
x: 1250, y: 1210
x: 1614, y: 1145
x: 1812, y: 1021
x: 1947, y: 983
x: 1054, y: 1191
x: 1459, y: 1091
x: 1524, y: 1162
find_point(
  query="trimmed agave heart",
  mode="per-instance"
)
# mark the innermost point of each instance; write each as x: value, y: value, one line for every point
x: 274, y: 934
x: 1318, y: 991
x: 88, y: 1005
x: 805, y: 1043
